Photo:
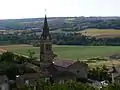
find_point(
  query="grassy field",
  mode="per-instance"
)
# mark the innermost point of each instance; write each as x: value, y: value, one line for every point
x: 71, y: 52
x: 101, y: 33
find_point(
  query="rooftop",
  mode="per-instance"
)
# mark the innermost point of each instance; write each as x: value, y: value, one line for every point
x: 63, y: 63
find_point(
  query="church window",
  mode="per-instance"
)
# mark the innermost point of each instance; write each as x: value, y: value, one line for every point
x: 27, y: 82
x: 78, y: 71
x: 61, y: 81
x: 46, y: 79
x: 42, y: 48
x: 48, y: 47
x: 47, y: 37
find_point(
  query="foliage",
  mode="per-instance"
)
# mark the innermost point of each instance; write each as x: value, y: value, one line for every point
x: 20, y: 59
x: 13, y: 64
x: 113, y: 86
x: 66, y: 86
x: 71, y: 85
x: 98, y: 73
x: 7, y: 56
x: 58, y: 38
x: 31, y: 56
x: 97, y: 59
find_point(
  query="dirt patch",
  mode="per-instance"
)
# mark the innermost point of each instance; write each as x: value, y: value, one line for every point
x: 2, y: 50
x: 17, y: 45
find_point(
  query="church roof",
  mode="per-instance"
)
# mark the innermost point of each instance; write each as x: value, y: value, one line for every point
x: 65, y: 73
x: 63, y: 63
x: 54, y: 71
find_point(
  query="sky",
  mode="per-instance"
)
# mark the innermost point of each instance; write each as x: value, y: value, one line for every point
x: 12, y: 9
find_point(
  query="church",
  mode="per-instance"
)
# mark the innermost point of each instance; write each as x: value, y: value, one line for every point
x: 58, y: 69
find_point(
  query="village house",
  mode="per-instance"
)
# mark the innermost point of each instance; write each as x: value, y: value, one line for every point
x: 30, y: 79
x: 67, y: 70
x: 4, y: 83
x: 115, y: 74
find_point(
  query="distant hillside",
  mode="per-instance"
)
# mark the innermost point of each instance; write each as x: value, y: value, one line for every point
x: 64, y: 23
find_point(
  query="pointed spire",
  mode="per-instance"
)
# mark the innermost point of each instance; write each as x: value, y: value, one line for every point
x: 46, y: 29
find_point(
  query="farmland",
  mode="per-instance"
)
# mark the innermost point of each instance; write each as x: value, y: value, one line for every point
x: 101, y: 33
x: 70, y: 52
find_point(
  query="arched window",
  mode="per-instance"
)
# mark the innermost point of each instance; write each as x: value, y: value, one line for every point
x: 42, y: 48
x: 78, y: 71
x: 48, y: 46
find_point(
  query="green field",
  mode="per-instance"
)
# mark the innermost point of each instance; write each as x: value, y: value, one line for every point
x: 68, y: 52
x: 72, y: 52
x: 101, y: 33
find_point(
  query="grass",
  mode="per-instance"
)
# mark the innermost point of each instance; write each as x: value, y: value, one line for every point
x: 72, y: 52
x: 69, y: 52
x: 101, y: 33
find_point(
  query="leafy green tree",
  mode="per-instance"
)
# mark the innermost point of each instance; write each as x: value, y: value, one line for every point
x: 7, y: 56
x: 31, y: 55
x: 99, y: 73
x: 20, y: 59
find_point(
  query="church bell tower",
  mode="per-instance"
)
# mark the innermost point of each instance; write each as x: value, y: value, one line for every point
x: 46, y: 53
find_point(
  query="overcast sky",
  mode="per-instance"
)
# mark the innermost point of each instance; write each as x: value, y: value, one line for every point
x: 10, y: 9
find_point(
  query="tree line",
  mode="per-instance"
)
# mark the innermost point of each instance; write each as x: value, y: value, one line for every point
x: 79, y: 39
x: 59, y: 39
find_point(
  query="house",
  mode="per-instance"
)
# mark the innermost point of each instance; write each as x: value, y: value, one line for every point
x: 75, y: 67
x: 4, y: 85
x: 67, y: 70
x: 29, y: 79
x: 115, y: 74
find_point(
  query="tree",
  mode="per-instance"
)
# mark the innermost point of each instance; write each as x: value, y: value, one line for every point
x: 7, y: 56
x: 31, y: 55
x: 20, y: 59
x: 11, y: 72
x: 99, y: 73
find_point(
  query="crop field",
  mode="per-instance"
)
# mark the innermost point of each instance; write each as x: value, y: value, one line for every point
x: 70, y: 52
x: 101, y: 33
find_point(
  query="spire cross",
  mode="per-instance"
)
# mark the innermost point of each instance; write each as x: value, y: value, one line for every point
x: 45, y: 11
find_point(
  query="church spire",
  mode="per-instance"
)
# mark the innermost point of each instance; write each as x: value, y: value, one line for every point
x: 46, y: 53
x: 46, y: 33
x: 45, y: 27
